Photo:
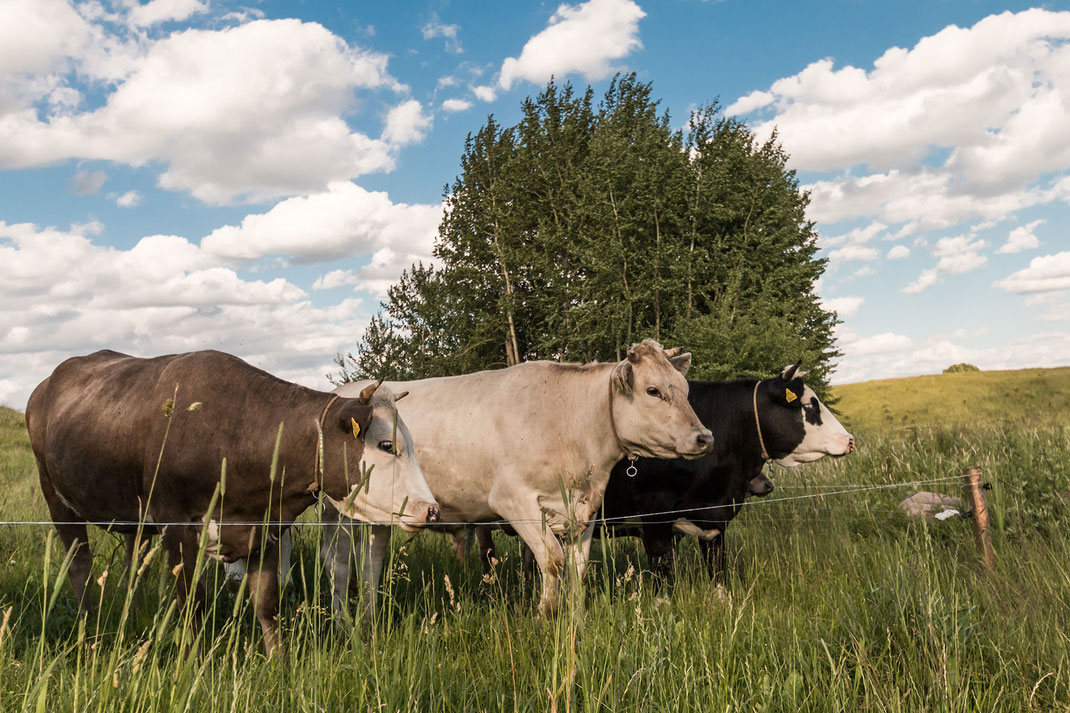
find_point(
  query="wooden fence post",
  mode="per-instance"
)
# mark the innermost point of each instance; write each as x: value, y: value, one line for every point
x: 980, y: 515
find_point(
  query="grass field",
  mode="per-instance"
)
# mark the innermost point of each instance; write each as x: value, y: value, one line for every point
x: 836, y: 602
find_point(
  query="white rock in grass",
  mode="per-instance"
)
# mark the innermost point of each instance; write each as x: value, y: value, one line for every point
x: 931, y: 506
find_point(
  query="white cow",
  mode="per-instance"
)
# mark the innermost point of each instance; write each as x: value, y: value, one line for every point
x: 534, y: 444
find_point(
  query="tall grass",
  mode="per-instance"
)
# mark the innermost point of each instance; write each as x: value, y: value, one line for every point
x: 835, y: 603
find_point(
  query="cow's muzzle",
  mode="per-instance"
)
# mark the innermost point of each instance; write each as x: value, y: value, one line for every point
x: 700, y: 445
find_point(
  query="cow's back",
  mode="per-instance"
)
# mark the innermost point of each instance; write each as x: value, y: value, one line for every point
x: 99, y: 423
x: 496, y: 419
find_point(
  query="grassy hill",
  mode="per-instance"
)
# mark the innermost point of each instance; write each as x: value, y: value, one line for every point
x: 1024, y: 396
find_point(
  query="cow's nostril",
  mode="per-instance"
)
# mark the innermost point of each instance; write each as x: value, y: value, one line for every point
x: 851, y: 445
x: 432, y: 514
x: 704, y: 440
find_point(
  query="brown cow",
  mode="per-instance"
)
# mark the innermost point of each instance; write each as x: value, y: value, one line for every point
x: 122, y: 440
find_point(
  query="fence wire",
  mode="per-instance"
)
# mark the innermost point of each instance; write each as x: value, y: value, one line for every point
x: 843, y: 489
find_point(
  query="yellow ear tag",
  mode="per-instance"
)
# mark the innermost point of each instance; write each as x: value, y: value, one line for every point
x: 790, y: 395
x: 356, y: 428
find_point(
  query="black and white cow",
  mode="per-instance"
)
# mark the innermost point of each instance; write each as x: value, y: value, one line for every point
x: 753, y: 422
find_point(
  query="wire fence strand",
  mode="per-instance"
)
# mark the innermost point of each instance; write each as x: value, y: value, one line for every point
x: 844, y: 489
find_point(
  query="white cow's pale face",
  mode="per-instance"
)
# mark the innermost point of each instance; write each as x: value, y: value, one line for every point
x: 651, y: 409
x: 392, y: 489
x: 798, y: 428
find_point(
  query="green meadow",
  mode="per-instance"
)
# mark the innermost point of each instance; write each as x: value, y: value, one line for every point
x: 836, y: 602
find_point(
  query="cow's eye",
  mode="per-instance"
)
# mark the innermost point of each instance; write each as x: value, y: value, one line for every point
x: 387, y: 446
x: 653, y: 391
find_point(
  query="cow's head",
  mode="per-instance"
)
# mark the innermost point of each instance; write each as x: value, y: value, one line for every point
x: 796, y: 426
x: 760, y: 485
x: 650, y: 408
x: 388, y: 485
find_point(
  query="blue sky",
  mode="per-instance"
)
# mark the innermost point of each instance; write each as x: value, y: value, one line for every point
x: 186, y: 174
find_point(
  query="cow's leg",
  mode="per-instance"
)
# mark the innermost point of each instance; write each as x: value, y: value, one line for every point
x: 373, y: 553
x: 263, y: 574
x: 285, y: 553
x: 527, y: 560
x: 714, y: 555
x: 522, y: 510
x: 181, y: 544
x: 72, y: 533
x: 461, y: 541
x: 337, y: 553
x: 577, y: 557
x: 135, y: 548
x: 548, y: 554
x: 660, y: 550
x: 131, y: 545
x: 234, y: 573
x: 485, y: 543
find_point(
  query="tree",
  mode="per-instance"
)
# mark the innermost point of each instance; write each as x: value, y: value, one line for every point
x: 582, y: 229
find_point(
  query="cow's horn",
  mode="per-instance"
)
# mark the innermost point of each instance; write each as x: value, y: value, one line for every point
x: 368, y: 391
x: 670, y: 353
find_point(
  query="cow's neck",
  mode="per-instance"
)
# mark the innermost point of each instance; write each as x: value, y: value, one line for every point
x: 606, y: 447
x: 731, y: 404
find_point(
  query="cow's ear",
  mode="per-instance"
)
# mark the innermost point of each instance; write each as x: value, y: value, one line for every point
x: 788, y: 372
x: 681, y: 363
x: 399, y: 397
x: 355, y: 419
x: 624, y: 377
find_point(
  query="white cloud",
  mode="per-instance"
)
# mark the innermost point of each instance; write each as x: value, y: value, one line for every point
x: 898, y: 252
x: 751, y: 102
x: 337, y: 278
x: 933, y: 355
x: 843, y: 306
x: 930, y: 199
x: 38, y: 36
x: 1021, y: 238
x: 86, y: 183
x: 130, y: 199
x: 967, y: 123
x: 435, y: 29
x: 239, y: 119
x: 877, y: 344
x: 63, y: 294
x: 864, y: 271
x: 854, y: 252
x: 343, y: 221
x: 456, y: 105
x: 485, y: 93
x: 959, y: 254
x: 406, y: 123
x: 950, y: 89
x: 856, y: 236
x: 1044, y: 274
x: 925, y: 280
x: 157, y: 11
x: 585, y: 39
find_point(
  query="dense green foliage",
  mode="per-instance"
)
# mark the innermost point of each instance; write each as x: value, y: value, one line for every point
x: 960, y: 368
x: 836, y: 602
x: 583, y: 229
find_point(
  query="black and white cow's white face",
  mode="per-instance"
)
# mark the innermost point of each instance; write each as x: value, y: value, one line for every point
x: 796, y: 426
